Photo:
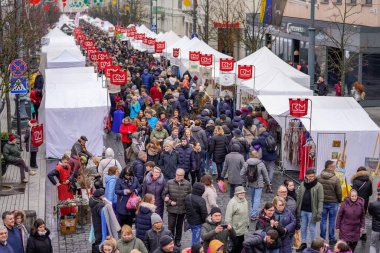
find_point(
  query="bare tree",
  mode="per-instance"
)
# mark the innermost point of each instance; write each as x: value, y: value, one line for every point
x: 340, y: 35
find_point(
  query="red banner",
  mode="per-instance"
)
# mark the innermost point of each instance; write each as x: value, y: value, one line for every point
x: 159, y: 46
x: 245, y: 72
x: 139, y: 36
x: 110, y: 69
x: 104, y: 63
x: 194, y: 56
x: 91, y: 51
x: 93, y: 57
x: 145, y: 40
x: 298, y: 107
x: 151, y: 42
x: 205, y: 59
x: 101, y: 56
x: 175, y: 52
x: 119, y: 77
x: 37, y: 133
x: 227, y: 64
x: 88, y: 43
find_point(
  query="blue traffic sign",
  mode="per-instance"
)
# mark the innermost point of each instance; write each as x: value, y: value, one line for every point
x: 17, y: 67
x: 19, y: 85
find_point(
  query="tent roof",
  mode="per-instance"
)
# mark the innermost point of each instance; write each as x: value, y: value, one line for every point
x: 266, y: 63
x: 73, y: 78
x: 198, y: 45
x: 53, y: 52
x: 276, y: 84
x: 66, y: 59
x: 55, y: 33
x: 170, y: 38
x: 144, y: 29
x: 179, y: 44
x: 329, y: 114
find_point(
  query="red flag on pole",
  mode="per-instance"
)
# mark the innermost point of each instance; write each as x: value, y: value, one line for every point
x: 245, y: 72
x: 226, y: 65
x: 205, y: 59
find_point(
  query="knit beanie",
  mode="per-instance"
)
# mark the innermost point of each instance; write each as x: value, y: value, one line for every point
x: 215, y: 210
x: 165, y: 240
x: 155, y: 218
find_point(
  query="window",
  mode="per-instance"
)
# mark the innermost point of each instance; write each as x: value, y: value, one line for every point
x: 368, y: 2
x: 353, y: 2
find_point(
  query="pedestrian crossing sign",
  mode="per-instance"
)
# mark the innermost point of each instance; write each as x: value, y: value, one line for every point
x: 19, y: 85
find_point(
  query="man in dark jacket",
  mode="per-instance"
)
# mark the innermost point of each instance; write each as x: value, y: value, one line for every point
x: 153, y: 236
x: 196, y: 211
x: 215, y: 229
x: 5, y: 247
x: 259, y: 241
x: 186, y: 158
x: 181, y: 105
x: 241, y: 141
x: 332, y: 191
x: 167, y: 245
x: 39, y: 81
x: 269, y: 158
x: 14, y: 234
x: 199, y: 135
x: 317, y: 246
x: 174, y: 196
x: 374, y: 211
x: 147, y: 79
x: 139, y: 166
x: 232, y: 167
x: 96, y: 204
x: 168, y: 160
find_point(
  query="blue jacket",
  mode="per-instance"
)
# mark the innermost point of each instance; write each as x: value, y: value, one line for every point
x: 6, y: 248
x: 186, y: 159
x: 110, y: 188
x: 267, y: 156
x: 168, y: 164
x: 135, y: 108
x: 14, y: 240
x: 182, y: 105
x: 287, y: 221
x: 147, y: 79
x: 122, y: 197
x: 142, y: 221
x: 152, y: 121
x: 138, y: 167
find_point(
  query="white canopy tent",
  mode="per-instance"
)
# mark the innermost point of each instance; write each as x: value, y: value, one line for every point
x: 66, y: 60
x: 182, y: 42
x: 332, y: 119
x: 61, y: 55
x: 267, y: 63
x: 72, y: 108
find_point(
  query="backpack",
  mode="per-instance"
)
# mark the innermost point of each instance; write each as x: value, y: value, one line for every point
x: 252, y: 173
x: 270, y: 144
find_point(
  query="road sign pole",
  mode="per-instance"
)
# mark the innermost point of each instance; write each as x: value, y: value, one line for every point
x: 18, y: 117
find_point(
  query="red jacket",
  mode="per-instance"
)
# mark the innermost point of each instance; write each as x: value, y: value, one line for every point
x: 126, y: 129
x: 155, y: 93
x: 34, y: 98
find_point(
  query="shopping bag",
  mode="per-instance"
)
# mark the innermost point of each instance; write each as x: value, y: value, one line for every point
x: 225, y: 185
x: 221, y: 186
x: 297, y: 239
x: 133, y: 202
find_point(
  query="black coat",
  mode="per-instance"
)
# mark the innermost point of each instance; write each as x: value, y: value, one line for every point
x: 374, y: 211
x: 152, y: 238
x: 142, y: 221
x: 255, y: 243
x: 218, y: 148
x: 96, y: 206
x: 156, y: 188
x: 186, y: 158
x: 39, y: 243
x: 122, y: 197
x: 175, y: 250
x: 196, y: 210
x: 168, y: 164
x: 362, y: 183
x: 139, y: 170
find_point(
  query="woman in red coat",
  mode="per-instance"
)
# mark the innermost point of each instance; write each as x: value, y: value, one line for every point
x: 155, y: 92
x: 127, y: 128
x: 351, y: 219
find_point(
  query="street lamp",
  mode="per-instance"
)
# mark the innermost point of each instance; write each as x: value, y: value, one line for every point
x: 311, y: 51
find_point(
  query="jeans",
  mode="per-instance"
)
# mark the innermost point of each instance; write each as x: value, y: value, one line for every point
x: 219, y: 167
x: 375, y: 237
x: 255, y: 197
x: 329, y: 209
x: 23, y: 167
x: 232, y: 189
x: 33, y: 159
x: 175, y: 224
x: 196, y: 233
x: 305, y: 222
x: 270, y: 165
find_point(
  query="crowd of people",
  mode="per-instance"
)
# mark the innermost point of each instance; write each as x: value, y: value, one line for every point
x: 180, y: 145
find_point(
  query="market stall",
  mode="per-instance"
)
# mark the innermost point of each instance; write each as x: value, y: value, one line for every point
x: 338, y: 126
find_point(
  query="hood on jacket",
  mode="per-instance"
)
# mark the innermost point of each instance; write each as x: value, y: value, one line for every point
x: 253, y: 161
x: 109, y: 153
x: 94, y: 201
x: 235, y: 148
x: 237, y: 119
x: 110, y: 177
x: 361, y: 175
x: 216, y: 246
x: 196, y: 128
x: 146, y: 208
x: 182, y: 97
x: 148, y: 178
x: 325, y: 174
x: 204, y: 113
x: 145, y: 72
x: 198, y: 189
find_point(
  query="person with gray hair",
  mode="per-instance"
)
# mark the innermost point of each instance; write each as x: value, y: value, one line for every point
x: 174, y: 196
x: 5, y: 247
x: 138, y: 166
x: 14, y: 235
x: 168, y: 160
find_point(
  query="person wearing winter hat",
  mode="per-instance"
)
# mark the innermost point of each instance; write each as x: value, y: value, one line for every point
x: 237, y: 214
x: 12, y: 155
x: 215, y: 229
x: 167, y: 245
x: 96, y: 204
x: 374, y: 211
x: 154, y: 235
x: 29, y: 144
x: 242, y: 142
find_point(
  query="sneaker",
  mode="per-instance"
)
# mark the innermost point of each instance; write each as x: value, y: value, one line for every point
x: 24, y: 180
x: 302, y: 247
x: 32, y: 173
